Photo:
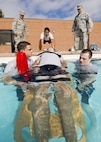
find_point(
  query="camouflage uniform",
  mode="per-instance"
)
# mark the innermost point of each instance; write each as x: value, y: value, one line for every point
x: 19, y: 27
x: 82, y: 24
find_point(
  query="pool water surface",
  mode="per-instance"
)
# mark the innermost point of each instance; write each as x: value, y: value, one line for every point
x: 10, y: 104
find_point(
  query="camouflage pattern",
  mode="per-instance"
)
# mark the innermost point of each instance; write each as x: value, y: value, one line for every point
x: 81, y: 25
x: 19, y: 28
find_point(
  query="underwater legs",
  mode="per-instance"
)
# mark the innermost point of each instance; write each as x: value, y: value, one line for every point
x: 63, y: 99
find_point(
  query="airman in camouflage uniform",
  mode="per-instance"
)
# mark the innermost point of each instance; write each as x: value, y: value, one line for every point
x: 81, y: 28
x: 19, y: 28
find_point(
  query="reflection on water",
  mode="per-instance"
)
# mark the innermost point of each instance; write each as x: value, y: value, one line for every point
x: 16, y: 121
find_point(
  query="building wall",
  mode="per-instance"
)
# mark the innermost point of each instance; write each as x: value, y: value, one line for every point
x: 61, y: 30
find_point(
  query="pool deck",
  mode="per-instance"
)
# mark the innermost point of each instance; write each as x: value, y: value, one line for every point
x: 68, y: 55
x: 61, y: 52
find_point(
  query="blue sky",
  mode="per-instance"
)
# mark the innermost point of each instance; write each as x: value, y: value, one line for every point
x: 50, y: 9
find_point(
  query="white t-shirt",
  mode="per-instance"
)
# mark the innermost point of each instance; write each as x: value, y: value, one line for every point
x: 11, y: 68
x: 46, y: 38
x: 48, y: 58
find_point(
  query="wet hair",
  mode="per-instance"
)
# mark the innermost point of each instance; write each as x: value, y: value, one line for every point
x: 87, y: 51
x: 46, y: 29
x: 22, y: 45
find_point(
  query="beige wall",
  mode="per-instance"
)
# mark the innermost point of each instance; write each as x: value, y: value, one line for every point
x: 61, y: 30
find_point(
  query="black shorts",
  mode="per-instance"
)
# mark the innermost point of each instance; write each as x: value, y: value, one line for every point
x: 49, y: 41
x: 51, y: 70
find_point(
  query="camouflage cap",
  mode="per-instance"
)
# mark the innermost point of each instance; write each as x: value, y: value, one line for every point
x: 79, y: 6
x: 22, y: 13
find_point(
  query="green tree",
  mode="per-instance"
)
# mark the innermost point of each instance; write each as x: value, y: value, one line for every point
x: 1, y: 14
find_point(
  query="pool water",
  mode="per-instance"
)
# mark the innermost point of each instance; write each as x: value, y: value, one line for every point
x: 94, y: 109
x: 10, y: 103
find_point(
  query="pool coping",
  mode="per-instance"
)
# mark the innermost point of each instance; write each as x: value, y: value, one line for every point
x: 67, y: 55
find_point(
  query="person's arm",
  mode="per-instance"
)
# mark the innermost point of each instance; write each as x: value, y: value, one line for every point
x: 52, y: 43
x: 90, y: 24
x: 26, y: 29
x: 87, y: 81
x: 63, y: 63
x: 42, y: 41
x: 10, y: 80
x: 74, y: 26
x: 36, y: 62
x: 14, y: 26
x: 36, y: 67
x: 52, y: 40
x: 42, y: 44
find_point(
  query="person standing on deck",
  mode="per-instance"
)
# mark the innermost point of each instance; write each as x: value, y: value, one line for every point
x: 19, y: 27
x: 82, y: 27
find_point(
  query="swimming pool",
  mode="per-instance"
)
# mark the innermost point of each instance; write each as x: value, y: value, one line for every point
x: 10, y: 104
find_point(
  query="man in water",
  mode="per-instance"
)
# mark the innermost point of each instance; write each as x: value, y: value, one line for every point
x: 11, y: 69
x: 86, y: 73
x: 86, y: 76
x: 24, y: 47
